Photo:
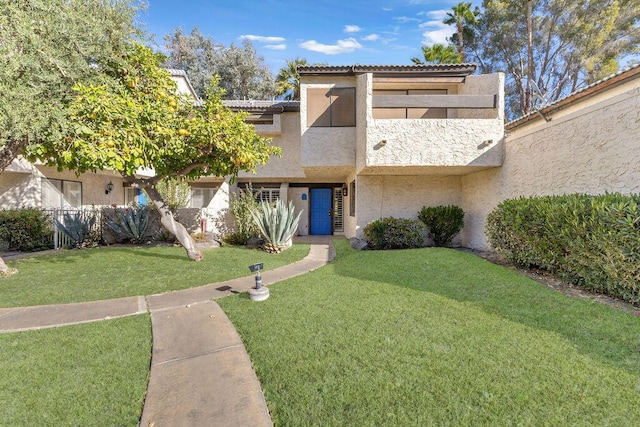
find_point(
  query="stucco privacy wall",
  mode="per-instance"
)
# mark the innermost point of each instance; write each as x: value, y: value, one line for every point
x: 594, y: 150
x: 402, y: 196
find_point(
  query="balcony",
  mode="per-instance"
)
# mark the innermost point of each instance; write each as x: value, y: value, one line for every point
x: 430, y: 131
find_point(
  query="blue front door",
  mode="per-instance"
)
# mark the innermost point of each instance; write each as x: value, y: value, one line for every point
x: 321, y: 210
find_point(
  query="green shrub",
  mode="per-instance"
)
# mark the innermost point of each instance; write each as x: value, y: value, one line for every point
x: 79, y: 228
x: 444, y: 222
x: 242, y: 204
x: 593, y: 241
x: 395, y: 233
x: 25, y: 229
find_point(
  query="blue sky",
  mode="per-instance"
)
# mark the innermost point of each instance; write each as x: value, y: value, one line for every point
x: 335, y: 32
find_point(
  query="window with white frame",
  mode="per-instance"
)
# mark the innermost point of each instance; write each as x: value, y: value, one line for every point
x: 59, y: 193
x: 270, y: 195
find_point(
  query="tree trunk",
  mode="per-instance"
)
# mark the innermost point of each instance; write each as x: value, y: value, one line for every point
x: 527, y: 97
x: 6, y: 271
x: 173, y: 226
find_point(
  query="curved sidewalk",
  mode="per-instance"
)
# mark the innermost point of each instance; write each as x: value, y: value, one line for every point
x: 200, y: 374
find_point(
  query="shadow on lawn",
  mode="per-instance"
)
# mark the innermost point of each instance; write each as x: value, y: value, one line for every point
x: 596, y: 330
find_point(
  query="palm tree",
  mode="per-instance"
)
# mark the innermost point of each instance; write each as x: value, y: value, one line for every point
x: 438, y: 54
x: 463, y: 18
x: 288, y: 79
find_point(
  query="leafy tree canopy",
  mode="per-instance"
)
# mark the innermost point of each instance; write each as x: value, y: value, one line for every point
x: 438, y: 54
x: 46, y: 47
x: 574, y: 43
x: 243, y: 74
x: 135, y: 119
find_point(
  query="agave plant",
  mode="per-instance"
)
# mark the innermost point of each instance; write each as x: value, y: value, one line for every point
x: 77, y: 227
x: 277, y: 224
x: 131, y: 223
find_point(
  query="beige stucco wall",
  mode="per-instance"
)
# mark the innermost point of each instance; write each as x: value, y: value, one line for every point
x: 595, y: 149
x: 289, y: 165
x: 19, y: 190
x: 295, y: 195
x: 402, y: 196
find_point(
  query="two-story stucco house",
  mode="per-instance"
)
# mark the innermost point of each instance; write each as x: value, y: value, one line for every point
x: 366, y: 142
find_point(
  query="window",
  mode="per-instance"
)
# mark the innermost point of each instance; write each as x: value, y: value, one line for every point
x: 352, y: 198
x: 331, y: 107
x: 201, y: 197
x: 410, y: 113
x: 269, y: 195
x: 58, y: 193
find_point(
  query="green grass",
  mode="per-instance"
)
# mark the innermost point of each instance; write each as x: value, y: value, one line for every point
x: 113, y: 272
x: 93, y: 374
x: 437, y: 337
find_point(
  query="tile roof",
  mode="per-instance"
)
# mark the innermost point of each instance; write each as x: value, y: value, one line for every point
x: 425, y: 69
x: 263, y: 106
x: 595, y: 87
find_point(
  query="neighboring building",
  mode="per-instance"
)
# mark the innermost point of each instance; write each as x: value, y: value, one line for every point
x: 366, y: 142
x: 587, y: 142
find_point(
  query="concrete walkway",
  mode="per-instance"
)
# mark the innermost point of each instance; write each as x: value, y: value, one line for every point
x: 201, y: 374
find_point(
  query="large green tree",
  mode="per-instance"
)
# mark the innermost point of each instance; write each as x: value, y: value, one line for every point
x: 46, y: 47
x: 464, y: 18
x: 573, y: 43
x: 136, y: 120
x: 242, y: 71
x: 438, y: 54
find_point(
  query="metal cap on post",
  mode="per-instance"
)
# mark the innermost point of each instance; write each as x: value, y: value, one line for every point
x: 258, y: 293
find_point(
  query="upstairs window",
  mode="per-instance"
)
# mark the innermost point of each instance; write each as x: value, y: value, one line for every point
x: 331, y: 107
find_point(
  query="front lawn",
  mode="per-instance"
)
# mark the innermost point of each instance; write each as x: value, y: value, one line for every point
x: 112, y: 272
x: 437, y: 337
x: 93, y: 374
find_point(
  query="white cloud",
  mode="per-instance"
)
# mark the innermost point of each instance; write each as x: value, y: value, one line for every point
x: 262, y: 39
x: 371, y: 37
x: 281, y: 46
x: 351, y: 29
x: 342, y: 46
x: 435, y: 14
x: 405, y: 19
x: 387, y: 9
x: 435, y: 30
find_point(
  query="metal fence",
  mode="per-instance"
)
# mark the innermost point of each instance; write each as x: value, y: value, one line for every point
x: 59, y: 239
x: 189, y: 217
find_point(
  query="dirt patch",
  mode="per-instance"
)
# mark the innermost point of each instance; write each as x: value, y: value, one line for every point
x: 549, y: 280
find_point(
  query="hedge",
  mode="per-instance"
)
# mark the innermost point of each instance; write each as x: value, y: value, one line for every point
x: 25, y: 229
x: 395, y: 233
x: 592, y: 241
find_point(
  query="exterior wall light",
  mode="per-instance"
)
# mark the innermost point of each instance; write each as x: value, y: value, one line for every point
x: 345, y: 190
x: 109, y: 188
